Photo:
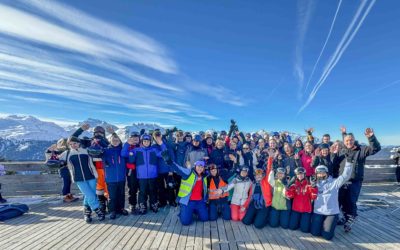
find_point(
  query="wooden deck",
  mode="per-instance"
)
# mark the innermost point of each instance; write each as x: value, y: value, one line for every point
x: 60, y: 226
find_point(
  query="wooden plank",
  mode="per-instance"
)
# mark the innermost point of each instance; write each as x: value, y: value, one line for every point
x: 131, y: 231
x: 230, y: 235
x: 40, y: 223
x: 160, y: 234
x: 41, y: 232
x: 140, y: 228
x: 169, y: 230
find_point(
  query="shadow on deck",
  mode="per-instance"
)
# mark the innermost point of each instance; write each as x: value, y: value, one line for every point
x: 60, y: 226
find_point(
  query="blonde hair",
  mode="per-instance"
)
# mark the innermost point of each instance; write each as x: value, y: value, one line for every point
x: 62, y: 144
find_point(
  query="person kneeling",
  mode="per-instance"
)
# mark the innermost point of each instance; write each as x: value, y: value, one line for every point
x: 192, y: 195
x: 281, y: 205
x: 261, y: 198
x: 241, y: 197
x: 302, y: 193
x: 326, y: 206
x: 217, y: 201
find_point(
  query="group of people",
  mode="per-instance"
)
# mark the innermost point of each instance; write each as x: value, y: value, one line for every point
x: 260, y: 179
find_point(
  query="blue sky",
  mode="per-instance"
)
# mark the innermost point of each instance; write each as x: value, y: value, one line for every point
x: 278, y: 65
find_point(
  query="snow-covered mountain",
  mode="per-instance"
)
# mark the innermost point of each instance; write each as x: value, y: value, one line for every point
x: 17, y: 127
x: 27, y: 137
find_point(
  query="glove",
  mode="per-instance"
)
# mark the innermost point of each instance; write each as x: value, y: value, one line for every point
x: 166, y: 157
x: 313, y: 181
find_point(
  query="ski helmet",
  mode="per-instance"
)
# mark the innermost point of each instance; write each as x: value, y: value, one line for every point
x: 299, y: 170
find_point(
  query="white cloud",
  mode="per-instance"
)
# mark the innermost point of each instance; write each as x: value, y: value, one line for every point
x: 340, y: 49
x: 323, y: 47
x: 93, y: 64
x: 305, y: 10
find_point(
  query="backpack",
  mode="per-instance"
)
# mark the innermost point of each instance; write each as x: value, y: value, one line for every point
x: 10, y: 211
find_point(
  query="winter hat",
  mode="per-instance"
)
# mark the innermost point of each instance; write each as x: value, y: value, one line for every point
x: 321, y: 169
x: 275, y: 134
x: 259, y: 171
x: 134, y: 134
x: 244, y: 168
x: 324, y: 146
x: 212, y: 166
x: 197, y: 138
x: 146, y: 137
x: 223, y: 132
x: 199, y: 163
x: 300, y: 170
x: 99, y: 130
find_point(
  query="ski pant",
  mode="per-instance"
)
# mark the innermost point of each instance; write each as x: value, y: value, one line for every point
x: 88, y: 189
x: 187, y: 212
x: 101, y: 186
x: 164, y: 194
x: 116, y: 192
x: 279, y: 218
x: 324, y: 225
x: 133, y: 187
x: 302, y: 220
x: 255, y: 216
x: 398, y: 174
x: 217, y: 207
x: 147, y: 187
x: 237, y: 213
x: 348, y: 197
x: 67, y: 181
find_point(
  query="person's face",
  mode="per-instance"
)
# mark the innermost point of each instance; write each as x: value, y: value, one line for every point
x: 115, y: 141
x: 324, y: 152
x: 235, y: 140
x: 259, y: 177
x: 326, y: 139
x: 135, y: 140
x: 280, y: 175
x: 298, y: 144
x: 243, y: 173
x: 321, y: 175
x: 300, y: 176
x: 179, y: 138
x: 199, y: 169
x: 220, y: 145
x: 246, y: 148
x: 188, y: 139
x: 146, y: 143
x: 308, y: 147
x: 288, y: 149
x: 233, y: 145
x: 214, y: 172
x: 209, y: 141
x: 261, y: 143
x: 252, y: 145
x: 272, y: 144
x: 196, y: 143
x: 349, y: 141
x: 74, y: 145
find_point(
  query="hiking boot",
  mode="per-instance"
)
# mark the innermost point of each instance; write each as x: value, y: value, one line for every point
x: 87, y: 214
x: 142, y: 209
x: 113, y: 215
x: 100, y: 214
x: 349, y: 223
x: 124, y: 212
x: 154, y: 207
x: 341, y: 221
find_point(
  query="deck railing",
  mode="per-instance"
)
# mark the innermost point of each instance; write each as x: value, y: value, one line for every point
x: 35, y: 178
